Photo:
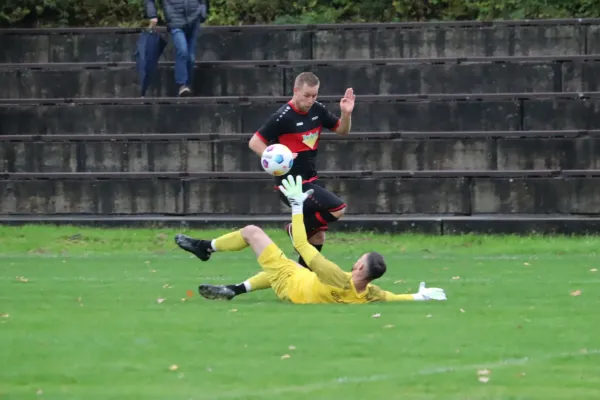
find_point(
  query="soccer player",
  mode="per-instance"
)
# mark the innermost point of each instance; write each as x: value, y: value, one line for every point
x: 324, y: 282
x: 298, y: 125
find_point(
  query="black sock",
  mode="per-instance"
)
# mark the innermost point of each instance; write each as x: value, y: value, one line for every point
x: 240, y: 288
x: 301, y: 260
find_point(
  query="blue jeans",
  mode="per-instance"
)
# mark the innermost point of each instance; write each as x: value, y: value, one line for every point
x: 184, y: 40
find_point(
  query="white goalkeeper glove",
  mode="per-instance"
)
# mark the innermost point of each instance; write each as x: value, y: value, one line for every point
x: 292, y: 189
x: 429, y: 293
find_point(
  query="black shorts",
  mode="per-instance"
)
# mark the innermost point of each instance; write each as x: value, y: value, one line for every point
x: 321, y: 200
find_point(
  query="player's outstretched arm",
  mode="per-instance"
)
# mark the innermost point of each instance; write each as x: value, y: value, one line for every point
x: 292, y: 189
x: 327, y: 271
x: 423, y: 294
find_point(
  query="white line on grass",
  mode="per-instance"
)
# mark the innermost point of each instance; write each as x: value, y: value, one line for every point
x: 313, y: 387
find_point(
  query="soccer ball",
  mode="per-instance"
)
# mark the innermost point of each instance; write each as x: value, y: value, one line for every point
x: 277, y: 159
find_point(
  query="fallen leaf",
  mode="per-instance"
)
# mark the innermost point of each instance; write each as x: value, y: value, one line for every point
x: 455, y: 278
x: 174, y: 367
x: 576, y: 293
x: 22, y: 279
x: 4, y: 315
x: 292, y: 347
x: 484, y: 379
x: 147, y: 262
x: 400, y: 281
x: 462, y: 311
x: 376, y: 315
x: 183, y: 300
x: 152, y: 270
x: 79, y: 299
x: 594, y: 270
x: 159, y: 301
x: 522, y: 374
x: 285, y: 356
x: 484, y: 372
x: 166, y: 285
x: 233, y: 310
x: 388, y: 326
x: 428, y: 316
x: 189, y: 293
x: 526, y: 263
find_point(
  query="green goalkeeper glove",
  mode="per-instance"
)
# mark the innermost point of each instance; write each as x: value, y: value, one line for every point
x: 292, y: 189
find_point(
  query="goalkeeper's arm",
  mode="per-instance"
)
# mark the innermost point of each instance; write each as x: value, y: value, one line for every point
x: 423, y: 294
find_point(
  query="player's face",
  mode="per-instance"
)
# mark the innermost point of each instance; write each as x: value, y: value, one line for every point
x: 305, y: 96
x: 359, y: 264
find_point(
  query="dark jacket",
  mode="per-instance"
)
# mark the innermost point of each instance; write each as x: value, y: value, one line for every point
x: 179, y: 13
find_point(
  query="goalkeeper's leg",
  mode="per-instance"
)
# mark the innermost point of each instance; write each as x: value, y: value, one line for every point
x: 276, y: 266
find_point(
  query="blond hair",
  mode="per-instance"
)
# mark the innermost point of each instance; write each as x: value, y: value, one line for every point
x: 306, y: 78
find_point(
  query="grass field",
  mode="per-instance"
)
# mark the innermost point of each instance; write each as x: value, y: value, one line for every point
x: 80, y: 319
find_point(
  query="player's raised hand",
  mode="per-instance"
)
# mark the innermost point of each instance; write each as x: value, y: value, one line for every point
x: 292, y: 189
x: 347, y: 102
x: 425, y: 293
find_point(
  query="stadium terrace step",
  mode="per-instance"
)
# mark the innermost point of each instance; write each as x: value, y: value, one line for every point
x: 258, y: 78
x: 365, y: 192
x: 394, y: 223
x: 359, y: 151
x: 397, y: 40
x: 504, y: 111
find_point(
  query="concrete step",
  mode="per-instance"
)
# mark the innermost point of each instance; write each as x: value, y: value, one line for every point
x: 453, y: 112
x: 359, y: 151
x: 259, y: 78
x: 365, y: 192
x: 390, y: 223
x: 458, y: 39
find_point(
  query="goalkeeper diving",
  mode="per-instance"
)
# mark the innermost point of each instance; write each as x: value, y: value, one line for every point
x: 324, y: 282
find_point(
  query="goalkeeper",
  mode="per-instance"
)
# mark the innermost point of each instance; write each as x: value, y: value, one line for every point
x: 325, y: 282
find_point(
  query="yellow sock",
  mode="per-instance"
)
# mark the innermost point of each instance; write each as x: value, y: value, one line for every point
x: 233, y: 241
x: 259, y: 281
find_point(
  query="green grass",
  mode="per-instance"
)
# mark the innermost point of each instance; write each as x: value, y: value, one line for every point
x: 87, y: 324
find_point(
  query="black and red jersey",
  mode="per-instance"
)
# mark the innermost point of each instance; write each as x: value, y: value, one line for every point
x: 300, y: 132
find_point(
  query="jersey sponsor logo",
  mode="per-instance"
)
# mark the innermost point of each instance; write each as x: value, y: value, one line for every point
x: 299, y: 123
x: 315, y: 117
x: 337, y: 297
x: 310, y: 138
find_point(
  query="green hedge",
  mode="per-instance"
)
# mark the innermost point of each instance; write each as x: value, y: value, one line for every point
x: 39, y: 13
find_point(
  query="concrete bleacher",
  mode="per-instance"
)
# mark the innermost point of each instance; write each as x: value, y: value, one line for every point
x: 458, y: 127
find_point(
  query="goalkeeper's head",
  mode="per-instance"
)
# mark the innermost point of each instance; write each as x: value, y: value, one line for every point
x: 369, y: 267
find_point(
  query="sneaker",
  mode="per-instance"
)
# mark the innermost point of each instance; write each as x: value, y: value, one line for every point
x: 184, y: 91
x: 200, y: 248
x: 216, y: 292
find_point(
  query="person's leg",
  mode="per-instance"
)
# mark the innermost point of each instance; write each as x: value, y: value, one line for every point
x: 192, y: 38
x: 181, y: 59
x: 277, y: 268
x: 259, y: 281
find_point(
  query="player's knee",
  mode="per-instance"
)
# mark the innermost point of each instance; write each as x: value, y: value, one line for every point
x: 318, y: 238
x: 251, y: 232
x: 338, y: 213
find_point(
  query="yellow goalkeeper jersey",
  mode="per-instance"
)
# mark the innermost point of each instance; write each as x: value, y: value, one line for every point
x: 327, y: 283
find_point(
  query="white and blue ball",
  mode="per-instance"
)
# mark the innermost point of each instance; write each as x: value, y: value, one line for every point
x: 277, y: 159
